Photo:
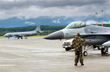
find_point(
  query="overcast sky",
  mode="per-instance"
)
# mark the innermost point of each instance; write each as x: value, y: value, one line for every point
x: 53, y: 8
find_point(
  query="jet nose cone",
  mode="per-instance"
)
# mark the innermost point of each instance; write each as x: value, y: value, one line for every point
x: 55, y: 35
x: 4, y: 35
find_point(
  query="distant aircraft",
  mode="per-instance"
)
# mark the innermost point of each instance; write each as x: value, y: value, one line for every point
x: 94, y: 35
x: 24, y: 34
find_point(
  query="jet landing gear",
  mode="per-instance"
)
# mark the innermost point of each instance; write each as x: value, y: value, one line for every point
x: 20, y: 37
x: 85, y: 51
x: 67, y: 49
x: 96, y: 47
x: 104, y: 50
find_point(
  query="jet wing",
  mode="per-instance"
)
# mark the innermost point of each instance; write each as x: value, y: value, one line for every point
x: 95, y: 34
x: 96, y: 30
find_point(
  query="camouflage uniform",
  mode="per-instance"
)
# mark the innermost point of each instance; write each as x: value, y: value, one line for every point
x: 77, y: 43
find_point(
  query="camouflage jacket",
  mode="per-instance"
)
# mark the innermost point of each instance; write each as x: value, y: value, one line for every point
x: 77, y: 43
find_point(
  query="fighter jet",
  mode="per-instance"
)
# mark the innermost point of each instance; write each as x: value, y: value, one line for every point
x: 24, y: 34
x: 94, y: 35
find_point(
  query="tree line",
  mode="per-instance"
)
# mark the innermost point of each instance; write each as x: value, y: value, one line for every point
x: 46, y: 29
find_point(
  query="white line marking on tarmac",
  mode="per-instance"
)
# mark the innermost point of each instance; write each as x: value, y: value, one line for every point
x: 4, y: 65
x: 22, y: 55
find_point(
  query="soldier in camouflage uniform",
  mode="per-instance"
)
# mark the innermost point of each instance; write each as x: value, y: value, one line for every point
x: 77, y: 43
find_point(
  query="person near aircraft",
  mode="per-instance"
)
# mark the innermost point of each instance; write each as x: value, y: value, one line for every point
x: 78, y: 43
x: 25, y: 36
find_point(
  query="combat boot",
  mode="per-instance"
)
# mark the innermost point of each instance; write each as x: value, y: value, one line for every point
x: 82, y: 64
x: 75, y: 64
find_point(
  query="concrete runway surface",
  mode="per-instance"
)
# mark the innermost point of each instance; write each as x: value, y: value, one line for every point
x: 39, y: 55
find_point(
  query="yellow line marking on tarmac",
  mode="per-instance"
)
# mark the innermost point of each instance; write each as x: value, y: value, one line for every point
x: 63, y: 51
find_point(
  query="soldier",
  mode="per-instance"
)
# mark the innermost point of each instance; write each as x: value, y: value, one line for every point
x: 77, y: 43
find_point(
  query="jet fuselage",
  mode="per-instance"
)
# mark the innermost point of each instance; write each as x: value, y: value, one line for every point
x: 94, y: 35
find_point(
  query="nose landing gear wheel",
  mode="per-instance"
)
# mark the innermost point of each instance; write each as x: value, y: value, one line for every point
x: 67, y: 49
x: 85, y: 53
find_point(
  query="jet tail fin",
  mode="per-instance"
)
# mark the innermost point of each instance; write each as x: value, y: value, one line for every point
x: 38, y: 28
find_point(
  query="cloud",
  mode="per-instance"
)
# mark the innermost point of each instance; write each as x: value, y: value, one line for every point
x: 27, y: 9
x: 30, y: 23
x: 89, y: 22
x: 56, y: 21
x: 47, y: 3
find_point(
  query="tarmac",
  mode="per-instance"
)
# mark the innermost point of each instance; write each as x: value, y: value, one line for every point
x: 40, y: 55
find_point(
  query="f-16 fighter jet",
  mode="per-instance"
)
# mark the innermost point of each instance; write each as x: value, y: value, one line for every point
x: 94, y: 35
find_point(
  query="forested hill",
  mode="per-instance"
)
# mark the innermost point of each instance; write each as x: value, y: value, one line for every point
x: 46, y: 29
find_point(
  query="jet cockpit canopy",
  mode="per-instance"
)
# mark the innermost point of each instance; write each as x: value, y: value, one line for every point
x: 77, y: 24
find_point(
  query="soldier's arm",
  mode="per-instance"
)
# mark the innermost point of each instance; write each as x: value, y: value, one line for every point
x: 73, y: 43
x: 83, y: 42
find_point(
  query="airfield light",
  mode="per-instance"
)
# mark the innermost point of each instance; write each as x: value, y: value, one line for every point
x: 96, y: 17
x: 102, y: 18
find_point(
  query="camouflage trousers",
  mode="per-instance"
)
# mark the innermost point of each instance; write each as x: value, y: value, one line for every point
x: 78, y: 55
